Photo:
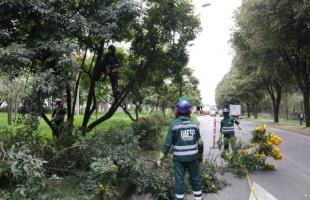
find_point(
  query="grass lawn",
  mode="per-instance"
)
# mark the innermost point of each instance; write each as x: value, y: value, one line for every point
x: 298, y: 129
x: 269, y: 117
x: 291, y: 125
x: 118, y: 119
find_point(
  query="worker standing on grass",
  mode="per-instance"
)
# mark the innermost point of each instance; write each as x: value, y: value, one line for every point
x: 185, y: 138
x: 227, y: 128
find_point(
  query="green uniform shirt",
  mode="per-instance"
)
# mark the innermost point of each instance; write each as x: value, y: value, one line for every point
x: 227, y: 126
x: 183, y: 135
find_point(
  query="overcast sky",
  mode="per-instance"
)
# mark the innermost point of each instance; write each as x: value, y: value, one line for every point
x: 211, y: 54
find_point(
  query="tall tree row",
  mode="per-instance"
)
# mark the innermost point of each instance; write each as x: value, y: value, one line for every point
x: 271, y: 41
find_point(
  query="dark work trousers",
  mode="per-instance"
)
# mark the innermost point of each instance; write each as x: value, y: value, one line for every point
x: 228, y: 138
x: 114, y: 83
x: 180, y: 169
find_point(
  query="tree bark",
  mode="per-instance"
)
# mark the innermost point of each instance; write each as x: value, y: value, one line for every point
x: 137, y: 111
x: 275, y: 93
x: 163, y: 108
x: 301, y: 71
x: 181, y: 87
x: 91, y: 92
x: 286, y: 113
x: 157, y: 103
x: 255, y: 111
x: 69, y: 111
x: 248, y: 110
x: 77, y: 86
x: 124, y: 107
x: 10, y: 113
x: 123, y: 94
x: 306, y: 96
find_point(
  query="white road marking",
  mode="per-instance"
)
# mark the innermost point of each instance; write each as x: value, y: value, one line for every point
x: 261, y: 193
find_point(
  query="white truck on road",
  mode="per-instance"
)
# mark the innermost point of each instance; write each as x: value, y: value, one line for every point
x: 235, y: 110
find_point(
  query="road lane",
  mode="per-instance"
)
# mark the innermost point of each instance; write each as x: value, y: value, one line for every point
x: 291, y: 180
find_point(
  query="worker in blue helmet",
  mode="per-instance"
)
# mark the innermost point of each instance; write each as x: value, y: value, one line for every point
x: 185, y: 138
x: 227, y: 128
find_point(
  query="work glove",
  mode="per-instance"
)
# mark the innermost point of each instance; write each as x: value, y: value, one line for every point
x: 200, y: 157
x: 159, y: 160
x: 158, y: 163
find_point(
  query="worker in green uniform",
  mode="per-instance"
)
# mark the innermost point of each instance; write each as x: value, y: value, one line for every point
x: 227, y: 128
x: 58, y: 117
x: 185, y: 138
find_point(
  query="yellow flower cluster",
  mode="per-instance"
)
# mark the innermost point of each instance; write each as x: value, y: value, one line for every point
x: 213, y: 187
x: 227, y: 155
x: 261, y: 129
x: 206, y: 177
x: 114, y: 168
x: 274, y: 139
x: 261, y: 156
x: 276, y: 153
x: 104, y: 188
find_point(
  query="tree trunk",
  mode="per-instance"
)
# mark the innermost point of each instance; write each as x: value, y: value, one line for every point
x: 275, y: 93
x: 124, y: 107
x: 77, y: 107
x: 15, y: 108
x: 10, y: 113
x: 276, y: 113
x: 122, y: 96
x: 69, y: 103
x: 137, y: 113
x: 163, y: 108
x: 255, y: 111
x: 91, y: 92
x: 181, y: 87
x: 301, y: 70
x: 157, y: 103
x: 76, y: 95
x: 306, y: 95
x: 248, y: 110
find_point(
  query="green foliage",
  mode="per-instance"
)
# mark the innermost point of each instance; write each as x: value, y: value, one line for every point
x: 236, y: 88
x: 113, y: 154
x: 121, y: 144
x: 280, y: 56
x: 22, y: 134
x: 159, y: 182
x: 102, y: 179
x: 210, y: 172
x: 149, y: 130
x: 243, y: 159
x: 246, y: 158
x: 22, y: 169
x: 74, y: 158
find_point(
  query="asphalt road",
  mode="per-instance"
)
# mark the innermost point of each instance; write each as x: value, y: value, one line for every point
x: 291, y: 180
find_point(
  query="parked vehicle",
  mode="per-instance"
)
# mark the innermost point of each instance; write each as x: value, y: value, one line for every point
x: 213, y: 113
x: 235, y: 110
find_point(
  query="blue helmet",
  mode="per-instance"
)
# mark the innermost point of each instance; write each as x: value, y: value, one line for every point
x: 183, y: 108
x: 225, y: 110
